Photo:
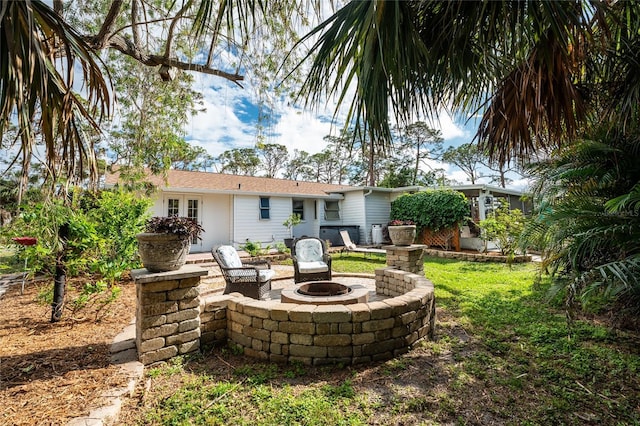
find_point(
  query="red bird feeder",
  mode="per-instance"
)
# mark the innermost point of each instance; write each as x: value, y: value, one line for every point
x: 25, y: 241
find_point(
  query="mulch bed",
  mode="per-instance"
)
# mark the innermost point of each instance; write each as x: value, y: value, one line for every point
x: 53, y: 372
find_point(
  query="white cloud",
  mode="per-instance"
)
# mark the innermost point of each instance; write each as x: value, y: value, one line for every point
x: 448, y: 128
x: 521, y: 184
x: 229, y: 121
x: 219, y: 128
x: 301, y: 130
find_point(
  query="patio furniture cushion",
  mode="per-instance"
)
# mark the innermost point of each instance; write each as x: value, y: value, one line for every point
x: 309, y: 250
x: 312, y: 267
x: 229, y: 257
x: 264, y: 275
x: 311, y: 262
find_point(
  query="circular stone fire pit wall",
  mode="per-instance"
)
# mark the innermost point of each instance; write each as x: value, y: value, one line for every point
x: 324, y: 334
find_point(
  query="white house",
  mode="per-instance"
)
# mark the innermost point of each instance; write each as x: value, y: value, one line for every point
x: 235, y: 209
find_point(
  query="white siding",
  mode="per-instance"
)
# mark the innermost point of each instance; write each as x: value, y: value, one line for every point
x: 353, y: 212
x: 247, y: 224
x: 377, y: 211
x: 232, y: 219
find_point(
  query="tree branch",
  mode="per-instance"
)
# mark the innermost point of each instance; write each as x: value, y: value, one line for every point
x: 108, y: 37
x: 100, y: 40
x: 167, y: 51
x: 128, y: 48
x: 135, y: 31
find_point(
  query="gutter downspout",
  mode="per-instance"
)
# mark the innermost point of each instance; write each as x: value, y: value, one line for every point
x: 366, y: 233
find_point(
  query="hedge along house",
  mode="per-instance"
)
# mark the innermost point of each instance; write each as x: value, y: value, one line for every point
x: 371, y: 206
x: 235, y: 209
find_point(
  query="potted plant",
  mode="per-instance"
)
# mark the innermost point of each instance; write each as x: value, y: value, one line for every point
x: 293, y: 220
x: 166, y: 242
x: 402, y: 232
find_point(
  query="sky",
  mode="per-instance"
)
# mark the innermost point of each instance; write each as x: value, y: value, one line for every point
x: 231, y: 116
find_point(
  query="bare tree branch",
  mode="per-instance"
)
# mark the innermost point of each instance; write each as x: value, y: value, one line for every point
x: 127, y: 47
x: 108, y: 37
x: 135, y: 31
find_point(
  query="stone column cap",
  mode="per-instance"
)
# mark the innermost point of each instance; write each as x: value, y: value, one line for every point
x: 143, y: 276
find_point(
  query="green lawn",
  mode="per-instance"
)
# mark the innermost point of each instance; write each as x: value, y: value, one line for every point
x: 502, y: 355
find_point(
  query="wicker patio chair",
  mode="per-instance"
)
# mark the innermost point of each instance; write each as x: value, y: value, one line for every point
x: 252, y: 279
x: 311, y: 262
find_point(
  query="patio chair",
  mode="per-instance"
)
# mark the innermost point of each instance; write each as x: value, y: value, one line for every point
x: 311, y: 262
x: 252, y: 279
x: 349, y: 246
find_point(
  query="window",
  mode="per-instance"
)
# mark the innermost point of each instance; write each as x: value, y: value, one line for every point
x: 173, y: 207
x: 193, y: 213
x: 298, y: 207
x: 331, y: 210
x: 264, y: 208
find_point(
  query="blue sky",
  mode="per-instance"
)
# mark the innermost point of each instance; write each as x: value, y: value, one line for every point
x: 231, y: 116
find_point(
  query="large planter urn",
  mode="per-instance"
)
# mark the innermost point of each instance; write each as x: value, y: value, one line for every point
x: 402, y: 235
x: 163, y: 252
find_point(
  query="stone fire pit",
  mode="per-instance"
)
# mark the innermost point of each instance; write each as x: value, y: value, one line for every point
x: 172, y: 317
x: 325, y: 293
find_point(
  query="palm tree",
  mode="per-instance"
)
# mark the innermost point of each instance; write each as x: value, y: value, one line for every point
x: 588, y: 222
x: 39, y: 56
x: 519, y: 61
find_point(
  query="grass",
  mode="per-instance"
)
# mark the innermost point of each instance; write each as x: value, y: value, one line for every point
x: 504, y: 354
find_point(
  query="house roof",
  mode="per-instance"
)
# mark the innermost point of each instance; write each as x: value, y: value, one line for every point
x: 495, y: 190
x: 195, y: 181
x: 206, y: 182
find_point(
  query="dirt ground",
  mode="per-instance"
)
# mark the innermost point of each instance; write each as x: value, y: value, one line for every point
x: 53, y: 372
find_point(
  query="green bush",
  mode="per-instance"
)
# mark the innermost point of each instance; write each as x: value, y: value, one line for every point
x: 102, y: 229
x: 504, y: 228
x: 255, y: 248
x: 432, y: 209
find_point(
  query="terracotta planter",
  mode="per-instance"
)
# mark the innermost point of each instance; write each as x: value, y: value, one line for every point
x: 163, y: 252
x: 402, y: 235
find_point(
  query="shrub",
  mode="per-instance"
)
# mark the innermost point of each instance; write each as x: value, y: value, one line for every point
x: 255, y: 248
x: 182, y: 226
x: 100, y: 242
x: 504, y: 228
x: 102, y: 229
x: 431, y: 209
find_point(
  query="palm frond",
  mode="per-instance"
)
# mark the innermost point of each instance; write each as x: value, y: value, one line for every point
x: 421, y: 56
x: 372, y: 47
x: 38, y: 57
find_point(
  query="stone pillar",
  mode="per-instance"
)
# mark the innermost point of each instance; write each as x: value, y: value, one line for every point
x: 406, y: 258
x: 168, y: 313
